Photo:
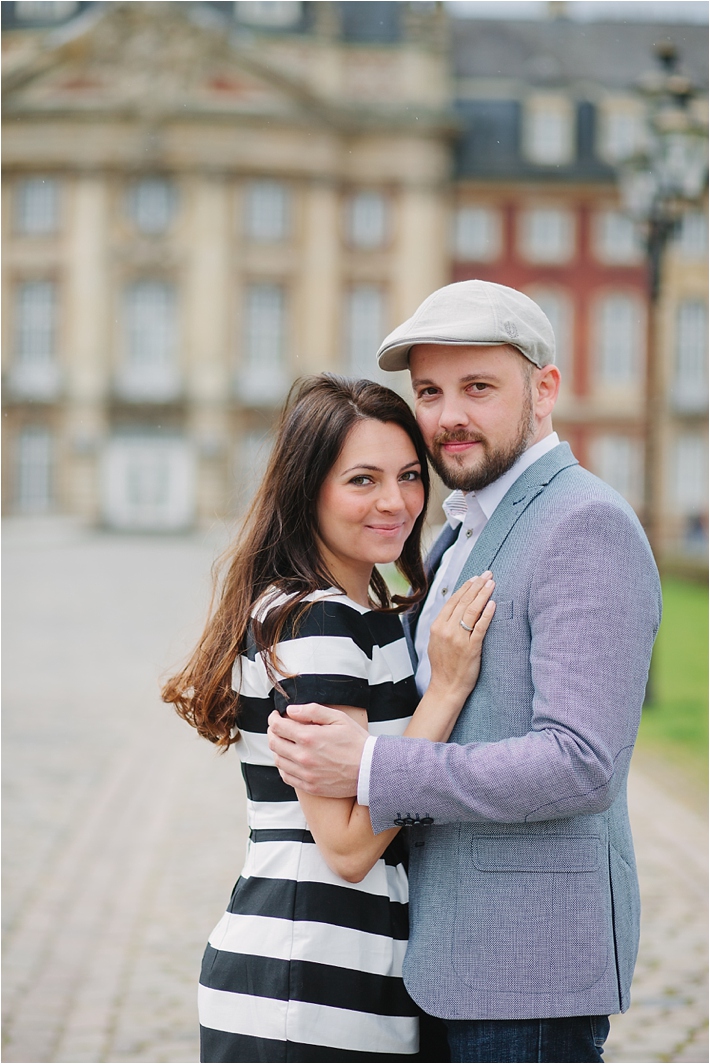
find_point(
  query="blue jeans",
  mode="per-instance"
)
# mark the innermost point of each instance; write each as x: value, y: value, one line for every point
x: 567, y: 1040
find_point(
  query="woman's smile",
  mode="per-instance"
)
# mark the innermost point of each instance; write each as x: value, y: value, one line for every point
x: 386, y: 530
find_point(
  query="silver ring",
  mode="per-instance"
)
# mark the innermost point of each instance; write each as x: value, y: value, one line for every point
x: 465, y: 627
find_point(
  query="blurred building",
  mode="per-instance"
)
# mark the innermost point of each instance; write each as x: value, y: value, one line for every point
x: 549, y: 108
x: 203, y: 202
x: 206, y: 200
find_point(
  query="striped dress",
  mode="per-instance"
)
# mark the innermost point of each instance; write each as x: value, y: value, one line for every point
x: 305, y: 966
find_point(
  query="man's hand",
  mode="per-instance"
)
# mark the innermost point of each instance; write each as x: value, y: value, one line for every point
x: 317, y: 749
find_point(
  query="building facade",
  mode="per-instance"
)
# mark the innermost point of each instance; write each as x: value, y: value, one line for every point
x: 204, y: 201
x: 548, y: 111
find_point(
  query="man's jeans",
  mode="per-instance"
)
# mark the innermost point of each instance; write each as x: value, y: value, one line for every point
x: 567, y: 1040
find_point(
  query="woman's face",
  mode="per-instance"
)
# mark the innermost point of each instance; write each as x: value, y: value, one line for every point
x: 369, y: 501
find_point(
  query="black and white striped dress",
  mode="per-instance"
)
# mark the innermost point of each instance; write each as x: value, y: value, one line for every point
x: 305, y: 966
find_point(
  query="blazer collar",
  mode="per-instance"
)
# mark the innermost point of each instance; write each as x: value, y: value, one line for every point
x: 518, y: 497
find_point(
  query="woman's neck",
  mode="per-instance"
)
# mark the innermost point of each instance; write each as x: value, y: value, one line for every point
x: 354, y: 579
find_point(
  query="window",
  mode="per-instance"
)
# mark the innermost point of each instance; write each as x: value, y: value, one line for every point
x: 37, y: 206
x: 619, y: 339
x: 277, y: 14
x: 477, y: 234
x: 152, y: 202
x: 692, y: 236
x: 263, y: 379
x: 149, y: 371
x: 690, y: 488
x: 372, y: 23
x: 35, y: 373
x: 690, y: 387
x: 44, y: 10
x: 616, y: 239
x: 267, y: 216
x: 619, y: 461
x: 148, y: 482
x: 549, y: 130
x: 621, y: 130
x: 557, y: 305
x: 364, y: 329
x: 34, y: 473
x: 547, y: 235
x: 366, y: 220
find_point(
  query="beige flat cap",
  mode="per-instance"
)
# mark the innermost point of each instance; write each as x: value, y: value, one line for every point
x: 473, y: 312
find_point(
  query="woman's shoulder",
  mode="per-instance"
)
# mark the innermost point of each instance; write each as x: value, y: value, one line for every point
x: 329, y: 612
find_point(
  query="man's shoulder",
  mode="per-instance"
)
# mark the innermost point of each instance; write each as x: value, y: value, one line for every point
x: 574, y: 497
x: 579, y: 512
x: 575, y: 486
x: 557, y: 480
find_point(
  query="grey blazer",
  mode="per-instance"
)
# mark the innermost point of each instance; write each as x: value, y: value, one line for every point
x: 523, y: 892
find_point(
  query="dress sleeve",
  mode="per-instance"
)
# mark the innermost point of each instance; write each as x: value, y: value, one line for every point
x: 327, y: 658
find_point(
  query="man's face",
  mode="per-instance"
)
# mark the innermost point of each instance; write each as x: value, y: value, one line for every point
x: 475, y: 408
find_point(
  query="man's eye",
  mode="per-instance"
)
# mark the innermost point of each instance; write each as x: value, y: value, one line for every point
x: 479, y: 386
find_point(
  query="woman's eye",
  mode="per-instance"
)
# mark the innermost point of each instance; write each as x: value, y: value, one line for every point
x: 361, y: 481
x: 411, y: 474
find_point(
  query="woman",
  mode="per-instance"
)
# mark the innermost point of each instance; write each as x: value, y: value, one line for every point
x: 306, y: 963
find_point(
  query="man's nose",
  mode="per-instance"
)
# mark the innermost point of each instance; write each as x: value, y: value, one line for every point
x: 452, y: 413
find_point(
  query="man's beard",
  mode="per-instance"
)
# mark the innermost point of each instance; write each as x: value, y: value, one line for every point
x: 495, y: 461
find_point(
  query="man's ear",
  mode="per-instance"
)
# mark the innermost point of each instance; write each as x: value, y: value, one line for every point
x: 546, y: 388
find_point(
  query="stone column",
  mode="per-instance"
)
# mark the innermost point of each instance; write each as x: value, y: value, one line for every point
x: 421, y: 261
x: 208, y: 301
x: 317, y: 339
x: 421, y: 256
x: 87, y: 335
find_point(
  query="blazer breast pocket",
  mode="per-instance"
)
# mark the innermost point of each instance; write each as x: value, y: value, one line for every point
x: 504, y: 610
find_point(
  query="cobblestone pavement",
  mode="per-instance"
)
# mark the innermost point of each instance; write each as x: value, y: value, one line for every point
x: 123, y: 832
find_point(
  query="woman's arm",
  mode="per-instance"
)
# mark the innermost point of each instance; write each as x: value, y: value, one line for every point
x: 342, y: 828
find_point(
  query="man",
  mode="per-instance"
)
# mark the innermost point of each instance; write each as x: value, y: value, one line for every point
x: 524, y: 904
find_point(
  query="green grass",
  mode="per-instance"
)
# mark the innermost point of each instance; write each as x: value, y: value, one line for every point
x: 674, y: 727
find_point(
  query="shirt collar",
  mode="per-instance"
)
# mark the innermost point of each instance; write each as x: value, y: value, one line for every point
x: 456, y: 505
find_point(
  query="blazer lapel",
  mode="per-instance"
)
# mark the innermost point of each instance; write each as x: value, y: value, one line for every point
x: 431, y: 563
x: 526, y: 488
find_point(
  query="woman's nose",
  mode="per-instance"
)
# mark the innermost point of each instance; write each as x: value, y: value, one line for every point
x: 391, y: 498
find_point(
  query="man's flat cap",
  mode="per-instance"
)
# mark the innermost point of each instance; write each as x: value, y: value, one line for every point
x: 473, y: 312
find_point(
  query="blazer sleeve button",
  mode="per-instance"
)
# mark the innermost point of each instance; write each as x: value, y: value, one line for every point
x: 427, y: 820
x: 399, y: 822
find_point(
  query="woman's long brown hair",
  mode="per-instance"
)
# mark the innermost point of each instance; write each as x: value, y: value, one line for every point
x: 278, y: 546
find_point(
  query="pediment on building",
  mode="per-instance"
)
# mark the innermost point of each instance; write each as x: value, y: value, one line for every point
x: 157, y: 61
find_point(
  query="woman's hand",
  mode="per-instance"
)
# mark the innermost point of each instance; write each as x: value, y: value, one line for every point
x: 457, y: 635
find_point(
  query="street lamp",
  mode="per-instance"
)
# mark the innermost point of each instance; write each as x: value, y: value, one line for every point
x: 658, y: 184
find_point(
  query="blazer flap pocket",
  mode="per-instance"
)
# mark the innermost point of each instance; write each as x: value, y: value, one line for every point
x: 536, y: 853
